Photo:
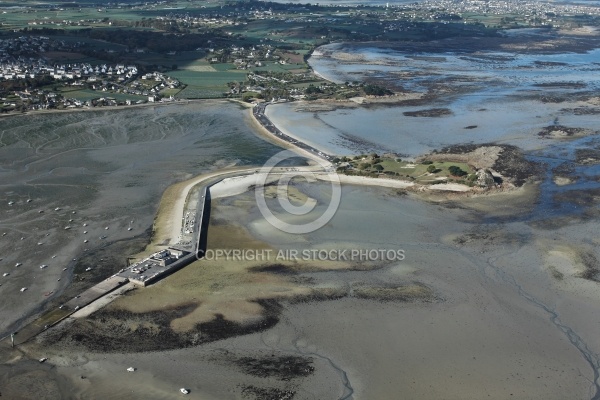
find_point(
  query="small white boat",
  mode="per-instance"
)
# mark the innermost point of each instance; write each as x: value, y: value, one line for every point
x: 23, y: 289
x: 64, y: 269
x: 57, y: 209
x: 106, y: 228
x: 67, y: 228
x: 84, y: 232
x: 40, y: 243
x: 43, y: 266
x: 84, y: 224
x: 88, y: 269
x: 43, y: 359
x: 29, y: 200
x: 85, y: 241
x: 5, y: 274
x: 54, y: 256
x: 131, y: 369
x: 10, y: 203
x: 18, y: 264
x: 184, y: 391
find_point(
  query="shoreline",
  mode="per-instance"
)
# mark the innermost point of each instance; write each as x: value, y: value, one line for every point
x: 260, y: 120
x: 272, y: 131
x: 107, y: 108
x: 124, y: 107
x: 173, y: 203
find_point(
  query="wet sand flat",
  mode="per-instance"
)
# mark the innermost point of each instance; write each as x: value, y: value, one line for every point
x: 494, y: 328
x: 68, y: 176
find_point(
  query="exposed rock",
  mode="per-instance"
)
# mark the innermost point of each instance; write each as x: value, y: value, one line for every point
x: 507, y: 161
x: 560, y: 131
x: 485, y: 178
x: 433, y: 112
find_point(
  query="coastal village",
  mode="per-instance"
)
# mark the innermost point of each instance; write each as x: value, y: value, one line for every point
x: 42, y: 85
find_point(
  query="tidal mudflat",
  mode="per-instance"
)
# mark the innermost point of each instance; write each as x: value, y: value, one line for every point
x: 490, y: 311
x: 74, y: 183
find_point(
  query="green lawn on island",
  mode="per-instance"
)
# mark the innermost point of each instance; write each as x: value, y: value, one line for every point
x: 414, y: 171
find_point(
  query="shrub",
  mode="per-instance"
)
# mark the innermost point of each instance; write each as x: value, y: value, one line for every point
x: 376, y: 90
x: 312, y: 89
x: 456, y: 171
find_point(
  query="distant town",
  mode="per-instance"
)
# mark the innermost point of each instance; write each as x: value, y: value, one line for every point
x: 84, y: 56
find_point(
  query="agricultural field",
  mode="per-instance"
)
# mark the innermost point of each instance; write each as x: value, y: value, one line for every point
x: 200, y: 85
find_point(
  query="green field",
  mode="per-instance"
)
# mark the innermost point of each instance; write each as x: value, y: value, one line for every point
x: 276, y: 67
x: 223, y: 67
x: 206, y: 84
x: 170, y: 92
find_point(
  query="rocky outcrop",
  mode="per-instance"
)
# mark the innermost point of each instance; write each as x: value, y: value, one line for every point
x: 506, y: 161
x: 485, y: 179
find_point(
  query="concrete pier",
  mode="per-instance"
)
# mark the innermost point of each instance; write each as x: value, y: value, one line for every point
x: 165, y: 262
